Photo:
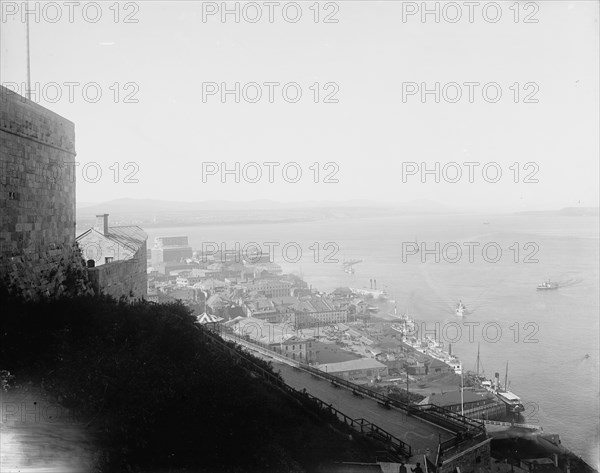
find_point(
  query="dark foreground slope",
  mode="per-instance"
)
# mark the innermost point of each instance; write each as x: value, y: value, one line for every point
x: 157, y: 395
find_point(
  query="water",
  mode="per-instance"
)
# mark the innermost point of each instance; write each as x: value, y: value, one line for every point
x: 545, y: 335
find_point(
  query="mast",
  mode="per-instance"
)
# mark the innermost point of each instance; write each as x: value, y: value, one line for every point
x: 462, y: 405
x: 506, y: 377
x: 478, y: 345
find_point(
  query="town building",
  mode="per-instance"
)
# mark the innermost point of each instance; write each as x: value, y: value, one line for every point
x: 433, y: 365
x: 170, y: 249
x: 295, y: 348
x: 362, y: 368
x: 261, y: 308
x: 268, y: 287
x: 116, y: 259
x: 316, y: 310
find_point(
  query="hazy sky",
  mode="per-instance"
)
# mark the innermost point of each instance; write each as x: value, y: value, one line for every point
x: 369, y: 133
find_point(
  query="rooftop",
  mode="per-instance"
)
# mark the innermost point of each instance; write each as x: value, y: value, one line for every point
x: 315, y: 304
x: 132, y: 237
x: 510, y: 396
x: 351, y: 365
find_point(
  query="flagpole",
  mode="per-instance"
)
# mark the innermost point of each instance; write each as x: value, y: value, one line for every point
x: 28, y: 56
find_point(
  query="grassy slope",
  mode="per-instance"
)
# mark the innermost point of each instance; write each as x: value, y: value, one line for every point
x: 157, y: 394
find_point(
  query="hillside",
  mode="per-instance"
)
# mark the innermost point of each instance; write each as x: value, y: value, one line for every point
x: 156, y: 395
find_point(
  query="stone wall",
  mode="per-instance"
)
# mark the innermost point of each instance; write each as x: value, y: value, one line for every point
x: 37, y: 197
x: 122, y: 278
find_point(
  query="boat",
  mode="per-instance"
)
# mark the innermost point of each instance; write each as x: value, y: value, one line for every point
x: 461, y: 309
x: 348, y: 265
x: 405, y: 326
x: 371, y: 292
x: 547, y: 285
x: 376, y: 293
x: 435, y: 349
x: 512, y: 401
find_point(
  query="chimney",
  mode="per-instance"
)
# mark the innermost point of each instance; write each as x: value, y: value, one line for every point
x: 102, y: 224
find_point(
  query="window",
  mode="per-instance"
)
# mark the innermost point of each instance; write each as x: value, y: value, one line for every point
x: 478, y: 460
x: 108, y: 259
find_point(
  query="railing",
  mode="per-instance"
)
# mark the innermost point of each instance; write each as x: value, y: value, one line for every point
x: 459, y: 440
x: 464, y: 428
x: 429, y: 412
x: 439, y: 414
x: 361, y: 425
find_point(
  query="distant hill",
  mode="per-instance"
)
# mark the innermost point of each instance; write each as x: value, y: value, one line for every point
x: 574, y: 211
x: 157, y: 206
x: 160, y: 213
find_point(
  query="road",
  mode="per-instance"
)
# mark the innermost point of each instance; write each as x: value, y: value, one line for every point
x: 422, y: 436
x: 418, y: 434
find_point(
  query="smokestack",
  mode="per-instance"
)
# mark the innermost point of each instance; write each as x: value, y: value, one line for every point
x: 555, y: 460
x: 450, y: 349
x: 497, y: 379
x: 102, y: 224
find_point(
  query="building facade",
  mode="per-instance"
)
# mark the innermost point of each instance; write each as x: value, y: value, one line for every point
x: 362, y: 368
x: 296, y: 348
x: 315, y: 311
x: 269, y: 287
x: 170, y: 249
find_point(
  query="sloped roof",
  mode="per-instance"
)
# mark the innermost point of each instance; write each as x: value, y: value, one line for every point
x: 132, y: 236
x: 435, y: 363
x: 293, y: 339
x: 314, y: 304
